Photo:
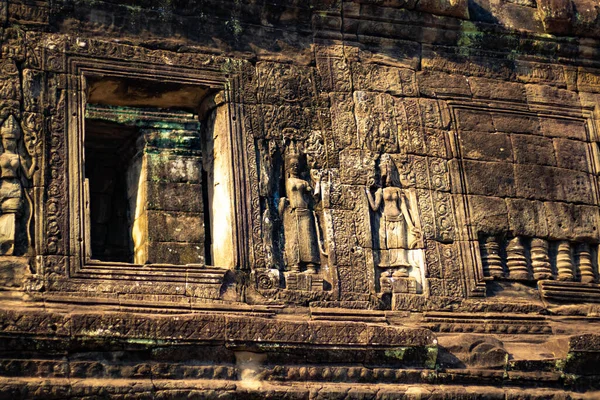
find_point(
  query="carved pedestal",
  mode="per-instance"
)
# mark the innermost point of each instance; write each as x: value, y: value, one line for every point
x: 304, y: 281
x: 404, y: 285
x: 14, y: 272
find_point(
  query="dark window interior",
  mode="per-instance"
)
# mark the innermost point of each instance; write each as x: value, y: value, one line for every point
x: 109, y: 149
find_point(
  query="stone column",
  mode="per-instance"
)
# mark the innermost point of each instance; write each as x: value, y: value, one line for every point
x: 540, y: 261
x: 586, y: 267
x: 516, y: 260
x: 492, y: 263
x: 564, y: 263
x: 165, y: 196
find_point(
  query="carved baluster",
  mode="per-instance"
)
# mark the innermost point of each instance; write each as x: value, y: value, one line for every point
x: 516, y: 260
x: 540, y: 261
x: 586, y: 268
x: 564, y: 264
x: 492, y: 263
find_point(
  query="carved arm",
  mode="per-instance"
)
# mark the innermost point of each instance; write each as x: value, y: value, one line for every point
x: 30, y: 171
x: 283, y: 202
x: 375, y: 203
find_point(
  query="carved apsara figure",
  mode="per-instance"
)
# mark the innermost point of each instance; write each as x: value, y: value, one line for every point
x: 397, y: 231
x: 300, y: 230
x: 14, y: 172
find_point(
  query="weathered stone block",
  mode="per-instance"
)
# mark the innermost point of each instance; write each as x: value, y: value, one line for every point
x: 13, y: 272
x: 477, y: 121
x: 174, y: 196
x: 560, y: 219
x: 550, y: 95
x: 333, y: 69
x: 497, y: 90
x: 175, y: 227
x: 486, y: 146
x: 489, y: 178
x: 549, y: 183
x: 516, y: 123
x: 574, y: 186
x: 381, y: 78
x: 529, y: 149
x: 434, y: 114
x: 342, y: 118
x: 535, y: 182
x: 376, y: 122
x: 572, y: 222
x: 572, y: 154
x: 526, y: 218
x: 587, y: 222
x: 174, y: 169
x: 175, y: 253
x: 451, y: 8
x: 488, y: 215
x: 439, y: 84
x: 437, y: 143
x: 564, y: 128
x: 556, y: 15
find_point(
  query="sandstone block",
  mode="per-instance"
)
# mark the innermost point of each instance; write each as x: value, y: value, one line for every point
x: 497, y: 90
x: 556, y: 15
x: 489, y: 178
x: 175, y: 253
x: 572, y: 222
x: 175, y: 169
x: 440, y: 84
x: 451, y: 8
x: 526, y: 218
x: 489, y: 215
x: 560, y: 219
x: 174, y: 196
x: 549, y: 183
x: 516, y: 123
x: 342, y: 118
x: 549, y: 94
x: 357, y: 167
x: 571, y: 154
x: 587, y: 220
x: 175, y: 227
x: 486, y: 146
x: 529, y: 149
x: 380, y: 78
x: 564, y: 128
x: 478, y: 121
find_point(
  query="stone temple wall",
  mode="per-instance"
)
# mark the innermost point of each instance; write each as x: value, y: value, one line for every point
x: 300, y: 199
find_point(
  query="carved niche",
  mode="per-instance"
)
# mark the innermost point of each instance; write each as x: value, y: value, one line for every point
x: 396, y: 232
x: 18, y: 162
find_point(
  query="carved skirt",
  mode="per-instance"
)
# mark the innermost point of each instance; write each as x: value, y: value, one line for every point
x: 301, y: 242
x: 10, y: 195
x: 393, y: 239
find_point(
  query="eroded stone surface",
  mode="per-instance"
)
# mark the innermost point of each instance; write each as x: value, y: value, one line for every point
x: 351, y: 199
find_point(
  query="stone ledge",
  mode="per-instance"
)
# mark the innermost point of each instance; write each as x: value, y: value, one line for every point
x: 61, y: 388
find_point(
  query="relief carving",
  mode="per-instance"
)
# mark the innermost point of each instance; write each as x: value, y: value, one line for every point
x: 395, y: 225
x: 299, y: 219
x: 17, y: 165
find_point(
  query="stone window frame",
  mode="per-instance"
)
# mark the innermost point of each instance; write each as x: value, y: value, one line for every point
x: 79, y: 69
x: 473, y: 277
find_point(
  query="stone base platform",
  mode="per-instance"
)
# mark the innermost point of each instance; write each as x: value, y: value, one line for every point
x: 222, y: 351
